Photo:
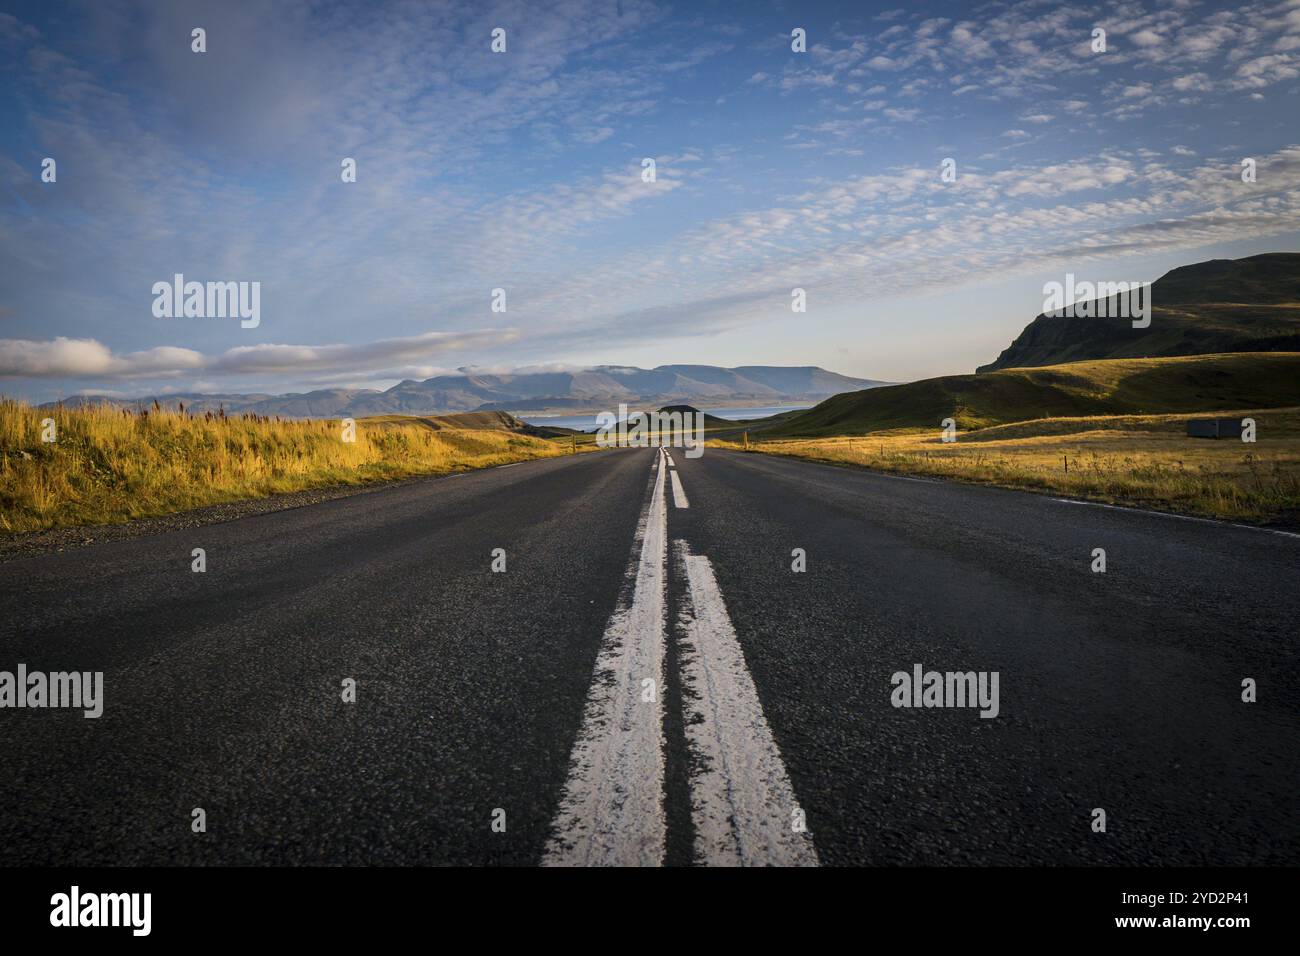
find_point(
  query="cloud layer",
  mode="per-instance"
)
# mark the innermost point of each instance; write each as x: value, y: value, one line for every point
x: 523, y: 171
x: 87, y: 358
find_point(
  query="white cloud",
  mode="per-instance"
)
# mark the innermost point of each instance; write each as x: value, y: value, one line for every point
x: 1267, y: 70
x: 87, y: 358
x: 1192, y: 81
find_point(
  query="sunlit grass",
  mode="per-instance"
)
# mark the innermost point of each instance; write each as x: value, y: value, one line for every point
x: 1143, y: 460
x: 109, y: 466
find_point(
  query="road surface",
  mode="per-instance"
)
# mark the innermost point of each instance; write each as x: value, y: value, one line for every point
x: 649, y: 681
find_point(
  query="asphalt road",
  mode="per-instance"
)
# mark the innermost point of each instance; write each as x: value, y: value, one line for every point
x: 649, y: 681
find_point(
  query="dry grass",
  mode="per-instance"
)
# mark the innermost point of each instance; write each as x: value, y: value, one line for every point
x: 1144, y: 460
x: 109, y: 466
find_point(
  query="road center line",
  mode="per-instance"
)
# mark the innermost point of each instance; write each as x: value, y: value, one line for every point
x: 742, y: 803
x: 679, y: 494
x: 612, y: 812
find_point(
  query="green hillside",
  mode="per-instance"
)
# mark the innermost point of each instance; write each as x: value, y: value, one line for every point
x: 457, y: 420
x: 711, y: 422
x: 1224, y: 305
x: 1193, y: 384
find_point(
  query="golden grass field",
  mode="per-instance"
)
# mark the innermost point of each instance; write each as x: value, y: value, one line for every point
x: 107, y: 466
x: 1143, y: 460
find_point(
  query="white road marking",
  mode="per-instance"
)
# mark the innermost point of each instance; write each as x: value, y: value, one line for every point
x: 612, y: 809
x: 1067, y: 501
x: 679, y: 494
x: 1170, y: 514
x: 742, y: 803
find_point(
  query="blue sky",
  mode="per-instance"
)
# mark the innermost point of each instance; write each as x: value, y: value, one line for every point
x: 522, y: 170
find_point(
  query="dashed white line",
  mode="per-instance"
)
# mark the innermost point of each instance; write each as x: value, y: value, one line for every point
x: 743, y: 806
x: 612, y: 811
x: 679, y: 494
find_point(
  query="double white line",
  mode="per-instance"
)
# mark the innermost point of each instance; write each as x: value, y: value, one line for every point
x: 743, y: 808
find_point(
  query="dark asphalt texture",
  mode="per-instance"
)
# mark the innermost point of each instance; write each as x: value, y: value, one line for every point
x: 1119, y: 690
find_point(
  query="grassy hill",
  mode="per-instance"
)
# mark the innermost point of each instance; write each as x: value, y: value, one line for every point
x: 1224, y: 305
x: 458, y: 420
x: 711, y: 422
x: 1199, y: 383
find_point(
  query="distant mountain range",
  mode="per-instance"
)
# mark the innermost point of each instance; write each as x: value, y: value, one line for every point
x: 1223, y: 305
x: 603, y: 386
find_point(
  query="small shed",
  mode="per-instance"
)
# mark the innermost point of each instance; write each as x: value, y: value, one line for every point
x: 1214, y: 428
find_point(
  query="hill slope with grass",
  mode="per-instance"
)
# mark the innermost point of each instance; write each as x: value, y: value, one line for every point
x: 1223, y: 305
x: 1190, y: 384
x: 710, y: 422
x: 458, y: 420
